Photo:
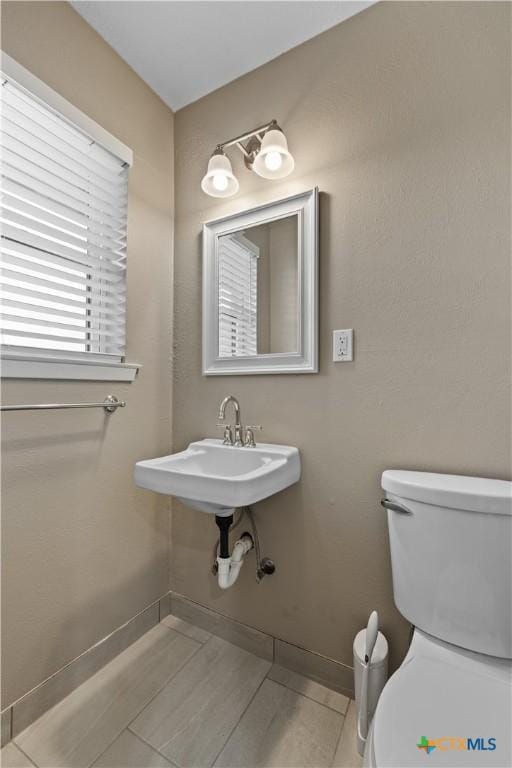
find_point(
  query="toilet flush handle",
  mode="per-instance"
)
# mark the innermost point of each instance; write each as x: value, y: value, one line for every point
x: 395, y: 507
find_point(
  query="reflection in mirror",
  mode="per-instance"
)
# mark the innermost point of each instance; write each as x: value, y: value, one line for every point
x: 258, y: 289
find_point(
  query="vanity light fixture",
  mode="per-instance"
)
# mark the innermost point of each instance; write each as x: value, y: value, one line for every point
x: 274, y: 160
x: 265, y: 151
x: 219, y: 180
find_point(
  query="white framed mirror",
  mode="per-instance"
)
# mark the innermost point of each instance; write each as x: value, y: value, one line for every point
x: 260, y: 289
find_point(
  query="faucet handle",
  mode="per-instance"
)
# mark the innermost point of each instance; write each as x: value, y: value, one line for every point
x: 228, y: 434
x: 249, y: 435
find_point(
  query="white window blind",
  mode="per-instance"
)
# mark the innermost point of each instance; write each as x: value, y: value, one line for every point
x: 63, y: 217
x: 238, y: 297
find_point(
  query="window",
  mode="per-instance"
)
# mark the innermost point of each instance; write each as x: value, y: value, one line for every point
x: 63, y: 219
x: 238, y: 296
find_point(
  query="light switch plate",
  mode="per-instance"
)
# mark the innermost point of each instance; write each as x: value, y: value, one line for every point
x: 342, y: 346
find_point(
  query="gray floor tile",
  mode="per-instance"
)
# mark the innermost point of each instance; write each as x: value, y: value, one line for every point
x: 326, y: 671
x: 128, y: 751
x: 309, y: 688
x: 66, y: 680
x: 180, y: 625
x: 347, y: 755
x: 239, y: 634
x: 77, y: 730
x: 191, y: 718
x: 282, y: 729
x: 12, y: 757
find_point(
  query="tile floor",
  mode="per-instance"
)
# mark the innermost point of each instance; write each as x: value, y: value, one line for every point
x: 184, y: 698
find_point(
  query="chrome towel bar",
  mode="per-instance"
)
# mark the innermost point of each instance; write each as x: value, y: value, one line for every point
x: 110, y: 404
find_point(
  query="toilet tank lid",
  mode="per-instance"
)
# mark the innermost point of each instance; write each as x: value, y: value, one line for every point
x: 476, y: 494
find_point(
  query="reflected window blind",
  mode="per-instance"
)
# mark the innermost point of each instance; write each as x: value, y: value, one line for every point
x: 63, y: 217
x: 238, y: 296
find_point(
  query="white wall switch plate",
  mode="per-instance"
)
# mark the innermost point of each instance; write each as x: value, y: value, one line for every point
x: 342, y: 346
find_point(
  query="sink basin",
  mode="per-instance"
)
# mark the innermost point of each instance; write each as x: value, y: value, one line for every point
x: 217, y: 478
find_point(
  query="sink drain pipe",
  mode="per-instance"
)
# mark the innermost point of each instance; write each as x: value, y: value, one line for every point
x: 229, y: 565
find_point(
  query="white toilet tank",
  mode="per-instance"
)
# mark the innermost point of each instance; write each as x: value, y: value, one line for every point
x: 451, y: 557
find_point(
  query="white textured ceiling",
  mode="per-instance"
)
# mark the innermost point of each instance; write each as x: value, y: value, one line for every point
x: 184, y: 49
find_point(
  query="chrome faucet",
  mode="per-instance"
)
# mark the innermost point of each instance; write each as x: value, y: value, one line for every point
x: 238, y: 439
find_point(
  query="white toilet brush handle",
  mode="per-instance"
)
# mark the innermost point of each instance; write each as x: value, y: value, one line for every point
x: 372, y: 631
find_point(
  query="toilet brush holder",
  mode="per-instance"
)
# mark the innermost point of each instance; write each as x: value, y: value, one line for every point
x: 369, y: 679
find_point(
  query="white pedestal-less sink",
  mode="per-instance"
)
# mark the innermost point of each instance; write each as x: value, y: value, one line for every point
x: 217, y: 478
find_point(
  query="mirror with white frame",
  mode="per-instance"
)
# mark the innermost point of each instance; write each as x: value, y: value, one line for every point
x: 260, y: 289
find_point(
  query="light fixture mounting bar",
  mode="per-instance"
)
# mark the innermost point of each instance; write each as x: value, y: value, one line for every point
x: 244, y: 136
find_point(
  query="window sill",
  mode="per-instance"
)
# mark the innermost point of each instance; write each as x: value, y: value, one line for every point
x: 17, y: 367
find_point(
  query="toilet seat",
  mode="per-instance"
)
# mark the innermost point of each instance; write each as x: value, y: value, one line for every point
x: 441, y: 691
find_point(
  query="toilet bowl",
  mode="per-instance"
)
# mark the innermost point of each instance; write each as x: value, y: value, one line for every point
x: 450, y: 702
x: 445, y: 695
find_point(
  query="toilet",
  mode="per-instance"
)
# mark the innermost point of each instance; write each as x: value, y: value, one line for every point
x: 450, y: 702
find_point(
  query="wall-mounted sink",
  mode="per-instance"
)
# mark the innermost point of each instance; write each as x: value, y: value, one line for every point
x: 217, y: 478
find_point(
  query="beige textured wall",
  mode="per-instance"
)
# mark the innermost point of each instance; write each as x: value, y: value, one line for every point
x: 401, y: 116
x: 83, y: 549
x: 284, y: 285
x: 277, y: 284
